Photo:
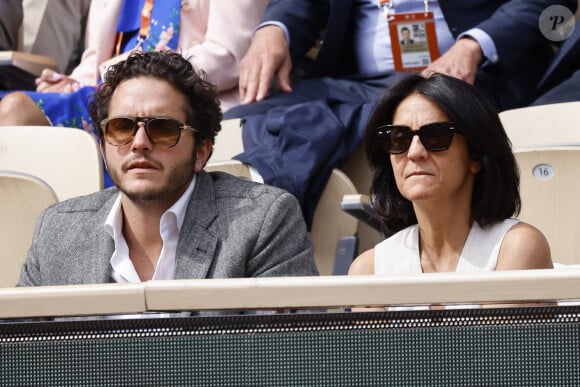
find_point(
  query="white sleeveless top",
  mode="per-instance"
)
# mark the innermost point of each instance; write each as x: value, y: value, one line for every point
x: 399, y: 254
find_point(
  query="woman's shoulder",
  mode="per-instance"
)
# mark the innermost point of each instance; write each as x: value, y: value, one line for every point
x: 363, y: 264
x: 524, y: 247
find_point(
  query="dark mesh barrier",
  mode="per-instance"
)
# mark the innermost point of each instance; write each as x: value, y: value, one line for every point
x: 465, y: 347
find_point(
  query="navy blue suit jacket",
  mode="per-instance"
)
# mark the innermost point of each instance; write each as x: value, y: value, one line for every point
x: 561, y: 82
x: 524, y: 53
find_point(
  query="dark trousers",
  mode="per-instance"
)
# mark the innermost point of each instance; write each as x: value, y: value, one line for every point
x: 566, y: 91
x: 295, y: 139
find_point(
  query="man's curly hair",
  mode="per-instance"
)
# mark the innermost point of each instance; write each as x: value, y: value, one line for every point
x: 204, y: 113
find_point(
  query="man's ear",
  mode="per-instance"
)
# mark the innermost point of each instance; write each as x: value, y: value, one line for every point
x: 202, y: 154
x: 102, y: 150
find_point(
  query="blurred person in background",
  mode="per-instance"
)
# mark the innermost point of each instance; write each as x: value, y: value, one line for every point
x: 295, y: 133
x: 55, y: 28
x: 11, y: 15
x: 212, y: 35
x: 561, y: 82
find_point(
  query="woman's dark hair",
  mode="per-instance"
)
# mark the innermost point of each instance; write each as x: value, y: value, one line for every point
x: 495, y: 194
x: 203, y: 110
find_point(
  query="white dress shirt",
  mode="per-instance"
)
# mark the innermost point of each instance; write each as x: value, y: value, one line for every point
x: 170, y: 225
x: 373, y: 51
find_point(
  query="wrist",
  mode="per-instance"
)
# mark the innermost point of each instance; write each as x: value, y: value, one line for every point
x: 271, y: 32
x: 472, y: 48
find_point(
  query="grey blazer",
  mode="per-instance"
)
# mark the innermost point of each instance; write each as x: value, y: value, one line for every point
x: 232, y: 228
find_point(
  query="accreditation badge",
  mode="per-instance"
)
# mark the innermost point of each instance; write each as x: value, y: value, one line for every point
x: 413, y: 40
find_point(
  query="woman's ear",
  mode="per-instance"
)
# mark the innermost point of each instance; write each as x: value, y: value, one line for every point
x: 475, y: 165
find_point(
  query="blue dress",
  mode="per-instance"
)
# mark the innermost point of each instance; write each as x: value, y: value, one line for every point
x: 71, y: 109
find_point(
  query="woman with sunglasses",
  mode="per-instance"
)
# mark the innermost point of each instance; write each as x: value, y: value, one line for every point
x: 445, y: 184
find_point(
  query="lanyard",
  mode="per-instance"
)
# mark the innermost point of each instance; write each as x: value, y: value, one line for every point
x: 143, y: 30
x: 145, y: 19
x: 388, y: 6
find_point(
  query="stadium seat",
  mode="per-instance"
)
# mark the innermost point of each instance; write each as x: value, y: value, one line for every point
x: 22, y: 199
x: 543, y: 126
x: 549, y: 189
x: 546, y: 143
x: 67, y: 159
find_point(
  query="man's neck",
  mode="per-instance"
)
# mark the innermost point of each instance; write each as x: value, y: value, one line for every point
x: 141, y: 231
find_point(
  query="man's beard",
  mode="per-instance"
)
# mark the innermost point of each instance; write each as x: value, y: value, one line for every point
x: 176, y: 184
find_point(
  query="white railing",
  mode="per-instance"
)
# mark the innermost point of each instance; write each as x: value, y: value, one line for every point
x: 279, y: 293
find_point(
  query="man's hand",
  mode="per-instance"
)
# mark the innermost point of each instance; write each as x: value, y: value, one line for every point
x: 460, y: 61
x: 53, y: 82
x: 267, y: 57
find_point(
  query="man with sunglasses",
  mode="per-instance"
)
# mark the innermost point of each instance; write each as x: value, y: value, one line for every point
x: 166, y: 218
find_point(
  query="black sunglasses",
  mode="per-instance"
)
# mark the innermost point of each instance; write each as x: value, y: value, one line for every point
x: 435, y: 137
x: 161, y: 131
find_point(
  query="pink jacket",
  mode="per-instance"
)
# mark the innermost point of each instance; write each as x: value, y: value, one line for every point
x: 215, y: 35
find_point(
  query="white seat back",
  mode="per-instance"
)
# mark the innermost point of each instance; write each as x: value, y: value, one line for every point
x: 550, y: 192
x: 546, y: 144
x: 67, y: 159
x: 22, y: 199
